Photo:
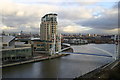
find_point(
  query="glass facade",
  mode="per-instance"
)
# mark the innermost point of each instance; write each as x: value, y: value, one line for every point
x: 10, y: 54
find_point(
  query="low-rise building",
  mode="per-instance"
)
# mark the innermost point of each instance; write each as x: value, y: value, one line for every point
x: 75, y: 41
x: 10, y: 52
x: 42, y: 46
x: 16, y: 54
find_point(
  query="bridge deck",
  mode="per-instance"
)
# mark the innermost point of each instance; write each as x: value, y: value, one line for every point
x: 87, y: 54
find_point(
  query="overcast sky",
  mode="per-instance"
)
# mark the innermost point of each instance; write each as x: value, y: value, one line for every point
x: 74, y: 16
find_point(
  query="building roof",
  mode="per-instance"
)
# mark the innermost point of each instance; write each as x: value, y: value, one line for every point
x: 19, y: 43
x: 35, y: 38
x: 38, y: 40
x: 23, y: 39
x: 6, y: 39
x: 49, y: 14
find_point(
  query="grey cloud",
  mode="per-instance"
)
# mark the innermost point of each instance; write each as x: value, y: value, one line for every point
x: 108, y: 21
x: 16, y: 21
x: 74, y: 13
x: 66, y: 16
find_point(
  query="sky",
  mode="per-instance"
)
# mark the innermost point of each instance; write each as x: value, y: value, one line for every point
x: 74, y: 16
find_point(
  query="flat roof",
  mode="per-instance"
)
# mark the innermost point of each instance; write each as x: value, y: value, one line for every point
x: 35, y: 38
x: 40, y: 40
x: 19, y: 43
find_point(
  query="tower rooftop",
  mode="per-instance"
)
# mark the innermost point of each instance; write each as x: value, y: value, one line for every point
x: 50, y: 14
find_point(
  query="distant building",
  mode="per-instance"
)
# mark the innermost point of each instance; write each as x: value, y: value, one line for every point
x: 75, y: 41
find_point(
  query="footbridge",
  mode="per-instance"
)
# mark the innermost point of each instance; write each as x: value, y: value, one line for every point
x: 86, y: 54
x: 107, y: 54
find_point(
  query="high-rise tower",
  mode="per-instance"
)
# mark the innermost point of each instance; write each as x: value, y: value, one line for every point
x: 48, y: 33
x: 48, y: 27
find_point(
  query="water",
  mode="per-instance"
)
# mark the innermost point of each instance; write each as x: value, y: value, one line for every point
x: 64, y: 67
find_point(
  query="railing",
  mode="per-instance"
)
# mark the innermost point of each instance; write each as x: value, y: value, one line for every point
x: 88, y: 54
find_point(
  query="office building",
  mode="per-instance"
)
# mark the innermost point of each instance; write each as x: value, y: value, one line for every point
x: 12, y: 53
